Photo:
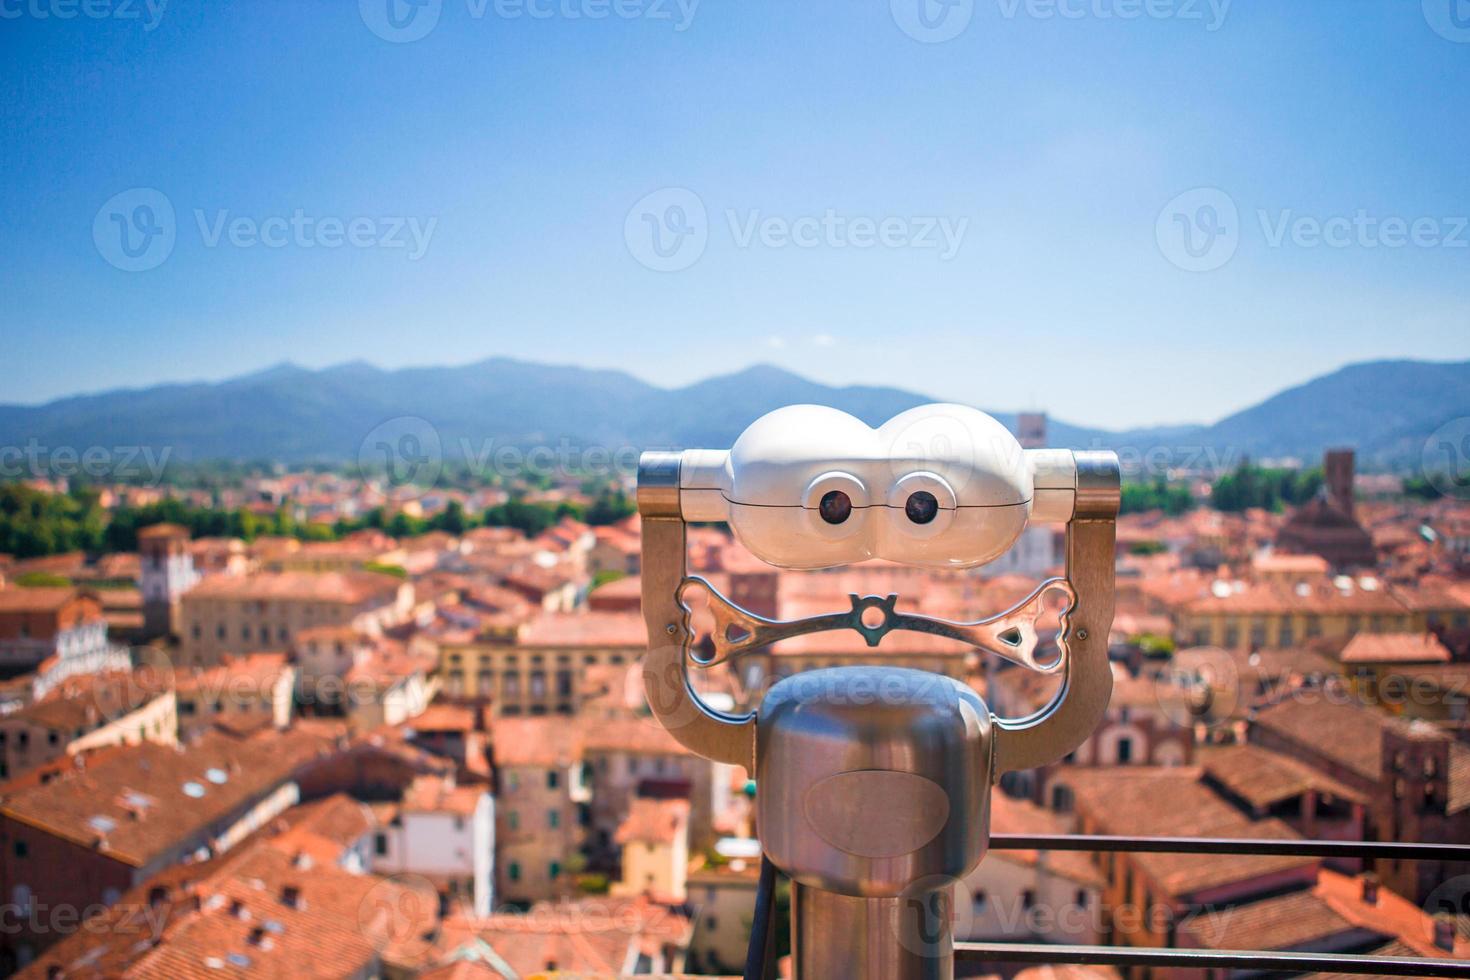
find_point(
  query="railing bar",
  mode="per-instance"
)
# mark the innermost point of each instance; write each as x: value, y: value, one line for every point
x: 1212, y: 959
x: 1224, y: 845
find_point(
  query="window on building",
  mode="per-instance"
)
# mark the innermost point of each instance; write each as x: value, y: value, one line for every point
x: 553, y: 779
x: 554, y: 870
x: 380, y: 844
x: 553, y: 819
x: 21, y: 849
x: 515, y: 871
x: 513, y: 820
x: 1125, y: 751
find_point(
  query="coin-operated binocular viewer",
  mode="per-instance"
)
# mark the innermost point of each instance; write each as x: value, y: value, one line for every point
x: 874, y: 782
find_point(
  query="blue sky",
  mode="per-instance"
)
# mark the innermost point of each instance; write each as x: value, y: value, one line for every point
x: 985, y: 201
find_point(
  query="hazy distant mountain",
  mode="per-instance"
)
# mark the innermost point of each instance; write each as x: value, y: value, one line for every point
x: 1387, y: 409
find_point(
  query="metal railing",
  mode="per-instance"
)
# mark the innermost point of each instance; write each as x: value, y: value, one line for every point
x: 1211, y: 959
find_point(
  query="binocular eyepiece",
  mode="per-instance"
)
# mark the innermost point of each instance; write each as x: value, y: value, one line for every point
x: 939, y: 485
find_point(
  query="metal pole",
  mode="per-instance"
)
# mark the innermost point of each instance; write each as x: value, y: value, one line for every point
x: 837, y: 937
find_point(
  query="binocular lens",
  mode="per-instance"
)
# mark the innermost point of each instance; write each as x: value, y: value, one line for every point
x: 835, y: 507
x: 921, y: 507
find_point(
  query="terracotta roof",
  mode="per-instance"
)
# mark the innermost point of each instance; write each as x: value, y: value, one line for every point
x: 591, y: 936
x: 260, y: 911
x: 1009, y: 815
x: 586, y: 629
x: 1263, y: 778
x: 1147, y: 801
x: 439, y: 794
x: 441, y: 717
x: 1394, y: 648
x: 47, y: 599
x: 164, y: 530
x: 137, y: 802
x: 541, y: 740
x: 344, y: 587
x: 89, y: 701
x: 636, y: 735
x: 1296, y: 920
x: 654, y: 821
x: 251, y: 671
x: 1349, y: 734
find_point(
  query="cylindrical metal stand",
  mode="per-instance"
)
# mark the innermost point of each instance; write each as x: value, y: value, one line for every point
x: 836, y: 937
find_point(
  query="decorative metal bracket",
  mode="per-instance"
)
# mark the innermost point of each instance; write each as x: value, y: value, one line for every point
x: 1011, y: 634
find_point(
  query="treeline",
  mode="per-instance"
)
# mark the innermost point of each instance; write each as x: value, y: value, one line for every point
x: 1171, y: 498
x: 1270, y: 489
x: 1245, y: 487
x: 34, y: 523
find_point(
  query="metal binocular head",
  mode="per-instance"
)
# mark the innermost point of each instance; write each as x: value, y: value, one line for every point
x: 871, y: 778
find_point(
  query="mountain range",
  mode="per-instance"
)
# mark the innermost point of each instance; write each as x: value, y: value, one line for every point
x: 1385, y: 409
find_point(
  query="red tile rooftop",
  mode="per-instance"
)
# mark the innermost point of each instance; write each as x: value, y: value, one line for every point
x: 342, y: 587
x: 654, y: 821
x: 586, y: 629
x: 139, y: 802
x: 1148, y: 801
x: 596, y: 936
x: 440, y: 794
x: 89, y: 701
x: 1394, y: 648
x: 1264, y: 778
x: 46, y: 599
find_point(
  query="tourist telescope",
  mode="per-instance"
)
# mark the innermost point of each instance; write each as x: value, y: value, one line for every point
x: 873, y: 783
